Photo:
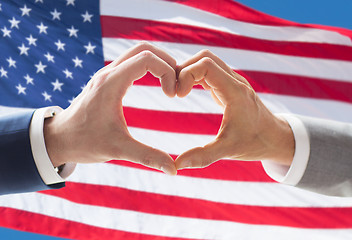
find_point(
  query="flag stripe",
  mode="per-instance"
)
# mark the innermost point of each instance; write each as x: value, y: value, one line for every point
x: 38, y: 223
x: 245, y: 59
x: 133, y: 221
x: 232, y: 192
x: 224, y: 169
x: 237, y: 11
x: 200, y: 101
x: 105, y: 196
x: 170, y: 12
x: 299, y: 86
x: 291, y: 85
x: 139, y: 29
x: 180, y: 122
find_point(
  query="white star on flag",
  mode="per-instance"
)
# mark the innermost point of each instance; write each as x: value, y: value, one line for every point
x: 60, y: 45
x: 57, y: 85
x: 29, y: 79
x: 56, y: 14
x: 23, y: 49
x: 68, y: 73
x: 90, y: 48
x: 31, y: 40
x: 14, y: 22
x: 3, y: 72
x: 46, y: 96
x: 42, y: 28
x: 72, y: 31
x: 71, y: 100
x: 83, y: 86
x: 87, y: 17
x: 41, y: 1
x: 21, y: 89
x: 6, y: 32
x: 78, y: 62
x: 49, y: 57
x: 40, y: 67
x: 12, y: 63
x: 70, y: 2
x: 25, y: 10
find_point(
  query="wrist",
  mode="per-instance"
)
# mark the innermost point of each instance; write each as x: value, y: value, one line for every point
x: 282, y: 147
x: 52, y: 142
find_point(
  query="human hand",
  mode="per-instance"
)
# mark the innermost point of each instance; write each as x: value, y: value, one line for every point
x: 249, y: 131
x: 93, y: 127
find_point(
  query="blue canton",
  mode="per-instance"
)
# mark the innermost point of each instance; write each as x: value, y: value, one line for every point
x: 48, y: 50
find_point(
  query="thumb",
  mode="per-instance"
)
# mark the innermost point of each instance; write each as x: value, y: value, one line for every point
x: 140, y: 153
x: 200, y: 157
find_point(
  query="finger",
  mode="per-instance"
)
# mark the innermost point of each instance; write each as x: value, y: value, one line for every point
x: 219, y: 80
x: 207, y: 53
x: 144, y: 46
x: 136, y: 67
x: 200, y: 157
x: 140, y: 153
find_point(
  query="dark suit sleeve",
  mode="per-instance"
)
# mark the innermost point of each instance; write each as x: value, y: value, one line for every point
x: 18, y: 172
x: 329, y: 168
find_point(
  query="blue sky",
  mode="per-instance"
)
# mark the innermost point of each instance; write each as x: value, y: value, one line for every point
x: 326, y: 12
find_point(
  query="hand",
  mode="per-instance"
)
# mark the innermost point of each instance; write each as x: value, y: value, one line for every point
x: 93, y: 127
x: 249, y: 131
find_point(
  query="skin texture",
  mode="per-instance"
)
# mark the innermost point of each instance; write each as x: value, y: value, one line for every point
x: 249, y: 131
x: 93, y: 128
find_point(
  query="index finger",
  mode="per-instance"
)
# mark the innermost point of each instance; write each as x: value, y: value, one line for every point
x: 144, y: 46
x: 123, y: 75
x: 223, y: 84
x: 205, y: 53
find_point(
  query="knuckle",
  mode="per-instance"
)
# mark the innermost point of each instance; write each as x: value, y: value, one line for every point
x: 144, y: 44
x: 99, y: 78
x: 205, y: 53
x: 146, y: 54
x: 148, y: 159
x: 207, y: 62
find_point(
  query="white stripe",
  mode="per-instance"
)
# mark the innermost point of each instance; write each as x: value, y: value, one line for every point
x: 160, y: 225
x: 200, y: 101
x: 233, y: 192
x: 167, y: 11
x: 172, y: 143
x: 147, y: 97
x: 244, y: 59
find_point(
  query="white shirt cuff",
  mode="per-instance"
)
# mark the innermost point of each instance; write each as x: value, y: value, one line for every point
x: 291, y: 175
x: 40, y: 155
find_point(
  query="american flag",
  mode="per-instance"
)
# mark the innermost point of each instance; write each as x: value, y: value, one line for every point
x: 49, y: 49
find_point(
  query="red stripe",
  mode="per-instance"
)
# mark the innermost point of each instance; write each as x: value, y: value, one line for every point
x: 119, y: 198
x: 298, y: 86
x: 283, y: 84
x: 42, y: 224
x: 237, y: 11
x: 130, y: 28
x: 227, y: 170
x: 179, y: 122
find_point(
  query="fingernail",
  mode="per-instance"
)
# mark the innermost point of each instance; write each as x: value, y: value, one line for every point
x: 168, y: 169
x: 184, y: 164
